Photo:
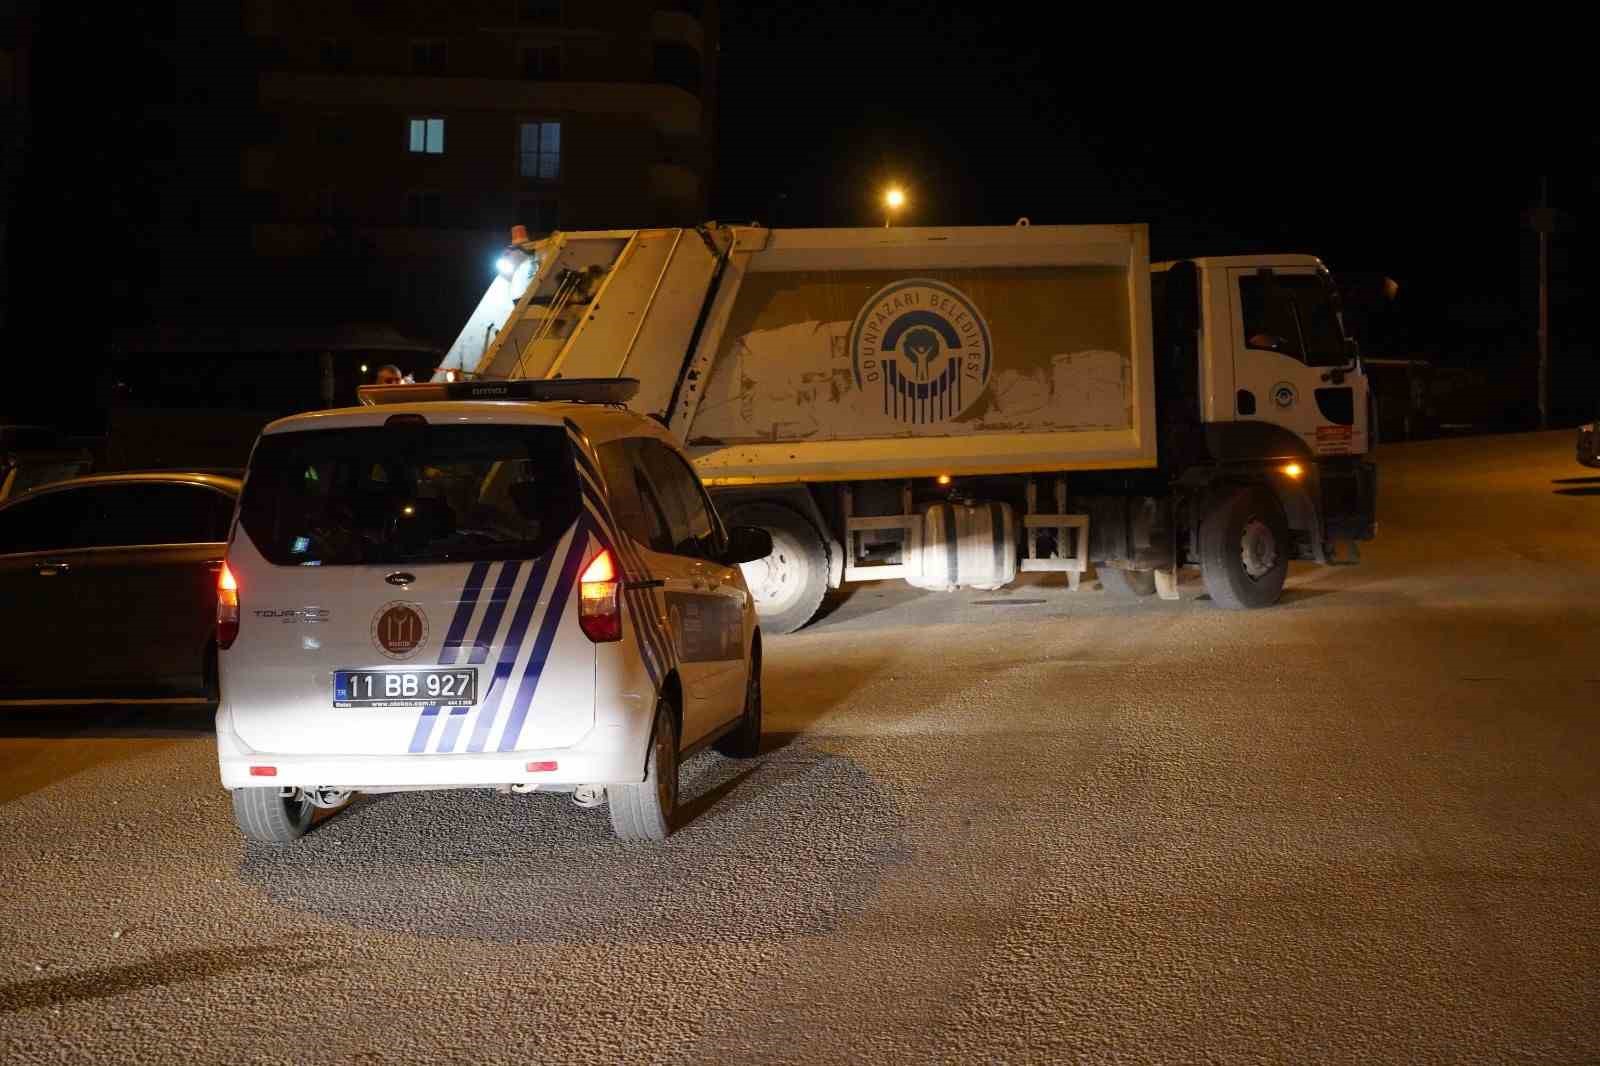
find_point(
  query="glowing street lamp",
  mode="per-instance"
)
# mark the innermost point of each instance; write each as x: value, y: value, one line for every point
x: 894, y: 198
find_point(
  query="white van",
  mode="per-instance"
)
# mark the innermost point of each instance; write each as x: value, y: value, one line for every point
x: 438, y: 590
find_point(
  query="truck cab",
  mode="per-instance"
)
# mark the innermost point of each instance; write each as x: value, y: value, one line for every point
x: 1275, y: 351
x: 1278, y: 390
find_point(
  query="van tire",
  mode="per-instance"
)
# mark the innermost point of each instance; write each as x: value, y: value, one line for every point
x: 745, y: 740
x: 644, y: 811
x: 266, y: 815
x: 1244, y: 548
x: 1127, y: 584
x: 788, y: 586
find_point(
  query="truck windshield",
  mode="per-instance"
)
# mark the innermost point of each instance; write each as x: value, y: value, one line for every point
x: 1294, y: 315
x: 409, y: 494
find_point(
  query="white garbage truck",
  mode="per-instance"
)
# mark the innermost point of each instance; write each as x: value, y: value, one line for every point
x: 954, y: 407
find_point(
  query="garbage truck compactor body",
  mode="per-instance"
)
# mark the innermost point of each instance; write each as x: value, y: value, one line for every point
x: 953, y: 407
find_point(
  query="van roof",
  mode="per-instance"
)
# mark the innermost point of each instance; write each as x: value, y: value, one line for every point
x: 598, y: 422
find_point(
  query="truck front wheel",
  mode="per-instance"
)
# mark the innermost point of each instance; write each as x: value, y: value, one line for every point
x: 1244, y: 549
x: 787, y: 585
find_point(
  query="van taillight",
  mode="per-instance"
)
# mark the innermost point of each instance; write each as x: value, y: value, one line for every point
x: 599, y: 600
x: 227, y: 607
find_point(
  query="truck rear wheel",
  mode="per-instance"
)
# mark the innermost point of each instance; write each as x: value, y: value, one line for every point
x: 1127, y: 584
x: 1244, y: 549
x: 787, y: 585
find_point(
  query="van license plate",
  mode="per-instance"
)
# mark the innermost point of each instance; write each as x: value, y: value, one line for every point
x: 405, y: 688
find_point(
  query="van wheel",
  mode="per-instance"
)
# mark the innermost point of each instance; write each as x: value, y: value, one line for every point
x: 787, y: 585
x: 644, y: 811
x: 1244, y: 549
x: 1127, y: 584
x: 267, y: 815
x: 745, y: 740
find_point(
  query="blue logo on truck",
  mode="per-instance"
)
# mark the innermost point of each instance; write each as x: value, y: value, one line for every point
x: 923, y: 345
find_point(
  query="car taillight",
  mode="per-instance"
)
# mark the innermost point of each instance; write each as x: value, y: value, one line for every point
x: 227, y: 607
x: 599, y: 600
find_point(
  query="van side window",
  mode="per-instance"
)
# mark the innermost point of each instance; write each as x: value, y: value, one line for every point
x: 694, y: 529
x: 632, y: 499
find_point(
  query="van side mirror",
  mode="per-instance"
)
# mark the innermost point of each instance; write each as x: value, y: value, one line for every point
x: 746, y: 544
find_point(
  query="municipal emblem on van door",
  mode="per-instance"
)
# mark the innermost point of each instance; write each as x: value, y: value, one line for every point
x: 399, y: 629
x: 1284, y: 394
x: 924, y: 347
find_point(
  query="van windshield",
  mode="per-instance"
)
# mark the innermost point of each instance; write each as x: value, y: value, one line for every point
x: 410, y: 493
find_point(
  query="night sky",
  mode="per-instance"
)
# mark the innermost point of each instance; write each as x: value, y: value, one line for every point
x: 1389, y: 151
x: 1407, y: 154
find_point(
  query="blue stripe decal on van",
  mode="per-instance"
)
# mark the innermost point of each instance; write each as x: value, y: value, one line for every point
x: 466, y: 603
x: 587, y: 464
x: 508, y: 653
x: 497, y: 609
x: 419, y: 739
x: 647, y: 624
x: 452, y: 729
x: 560, y: 603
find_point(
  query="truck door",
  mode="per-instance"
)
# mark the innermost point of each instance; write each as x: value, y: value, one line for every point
x: 1291, y: 362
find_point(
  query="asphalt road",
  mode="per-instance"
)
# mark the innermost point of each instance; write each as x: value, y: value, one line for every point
x: 1027, y: 826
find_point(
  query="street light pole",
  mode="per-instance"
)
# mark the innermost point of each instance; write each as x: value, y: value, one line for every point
x: 1544, y: 305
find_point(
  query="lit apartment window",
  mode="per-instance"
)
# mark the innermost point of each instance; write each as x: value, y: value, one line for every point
x: 541, y: 62
x: 428, y: 57
x: 541, y: 150
x: 539, y: 10
x: 424, y: 209
x: 426, y: 136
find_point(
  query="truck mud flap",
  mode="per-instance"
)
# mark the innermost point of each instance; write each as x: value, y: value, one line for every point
x: 1349, y: 502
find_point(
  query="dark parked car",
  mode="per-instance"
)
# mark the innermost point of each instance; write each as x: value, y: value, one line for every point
x: 108, y: 587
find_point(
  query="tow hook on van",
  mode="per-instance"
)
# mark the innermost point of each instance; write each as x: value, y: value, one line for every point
x: 589, y: 796
x: 326, y: 797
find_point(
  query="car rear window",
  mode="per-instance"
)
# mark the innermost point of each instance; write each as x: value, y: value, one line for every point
x: 409, y: 493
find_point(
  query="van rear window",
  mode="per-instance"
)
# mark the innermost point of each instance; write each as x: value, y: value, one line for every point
x: 409, y: 493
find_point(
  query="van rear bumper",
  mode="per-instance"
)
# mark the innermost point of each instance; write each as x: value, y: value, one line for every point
x: 607, y: 755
